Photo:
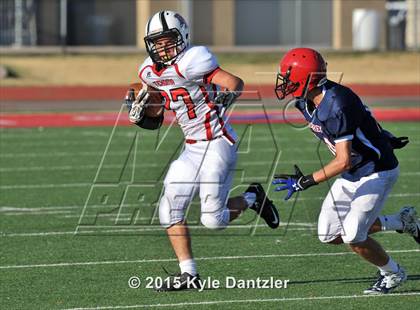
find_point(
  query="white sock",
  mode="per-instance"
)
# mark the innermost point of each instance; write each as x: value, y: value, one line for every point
x: 249, y: 198
x: 391, y: 222
x: 188, y: 266
x: 391, y: 266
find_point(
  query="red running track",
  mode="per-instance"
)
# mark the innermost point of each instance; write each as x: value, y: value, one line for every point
x: 84, y: 119
x: 37, y: 93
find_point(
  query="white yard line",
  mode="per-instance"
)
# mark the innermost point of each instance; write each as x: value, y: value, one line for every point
x: 37, y: 234
x: 146, y: 151
x: 90, y: 229
x: 390, y: 196
x: 37, y: 209
x: 243, y: 301
x: 111, y: 153
x: 310, y: 143
x: 260, y: 178
x: 154, y: 165
x: 109, y: 216
x: 75, y: 214
x: 52, y: 185
x: 27, y: 136
x: 46, y: 212
x: 51, y: 132
x: 101, y: 143
x: 76, y: 154
x: 211, y: 258
x: 158, y: 260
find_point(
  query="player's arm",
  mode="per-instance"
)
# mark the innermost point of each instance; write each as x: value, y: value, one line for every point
x: 343, y: 126
x: 228, y: 81
x: 341, y: 163
x: 299, y: 182
x: 232, y: 86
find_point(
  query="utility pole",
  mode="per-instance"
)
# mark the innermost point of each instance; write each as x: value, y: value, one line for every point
x: 18, y: 23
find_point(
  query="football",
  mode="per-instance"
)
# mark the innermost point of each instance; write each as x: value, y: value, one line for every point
x: 155, y: 107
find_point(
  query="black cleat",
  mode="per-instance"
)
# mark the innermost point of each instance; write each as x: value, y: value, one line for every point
x: 179, y: 282
x: 375, y: 288
x: 264, y: 206
x: 387, y: 282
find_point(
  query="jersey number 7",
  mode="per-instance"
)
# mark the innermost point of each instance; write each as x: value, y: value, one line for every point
x: 185, y: 95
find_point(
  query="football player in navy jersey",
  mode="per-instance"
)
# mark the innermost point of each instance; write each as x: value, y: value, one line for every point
x: 363, y: 155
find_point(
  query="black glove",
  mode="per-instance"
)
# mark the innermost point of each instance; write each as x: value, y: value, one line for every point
x: 226, y: 99
x: 398, y: 143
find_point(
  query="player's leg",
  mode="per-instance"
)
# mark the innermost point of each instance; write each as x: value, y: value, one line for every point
x: 405, y: 221
x: 366, y: 205
x: 236, y: 205
x: 411, y: 224
x: 254, y: 198
x: 216, y: 177
x: 334, y: 210
x: 258, y: 201
x: 179, y: 236
x: 179, y: 189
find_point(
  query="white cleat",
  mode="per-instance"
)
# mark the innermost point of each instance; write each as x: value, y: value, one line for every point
x: 387, y: 282
x: 411, y: 224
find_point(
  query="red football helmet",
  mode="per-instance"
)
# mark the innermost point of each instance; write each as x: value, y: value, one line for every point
x: 301, y: 69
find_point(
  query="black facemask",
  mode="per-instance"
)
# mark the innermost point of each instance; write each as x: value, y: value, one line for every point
x: 177, y: 44
x: 284, y: 86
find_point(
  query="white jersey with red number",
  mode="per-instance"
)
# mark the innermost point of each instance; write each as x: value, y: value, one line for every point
x: 187, y: 89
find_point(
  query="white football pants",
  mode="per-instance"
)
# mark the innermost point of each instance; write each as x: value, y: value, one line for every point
x: 350, y: 208
x: 205, y: 167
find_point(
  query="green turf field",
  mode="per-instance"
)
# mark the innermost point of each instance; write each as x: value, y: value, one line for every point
x: 66, y: 244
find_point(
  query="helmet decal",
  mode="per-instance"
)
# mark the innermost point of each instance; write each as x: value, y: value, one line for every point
x: 182, y: 21
x: 163, y: 21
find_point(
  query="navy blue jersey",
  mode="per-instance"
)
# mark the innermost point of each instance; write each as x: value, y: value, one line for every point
x: 342, y: 116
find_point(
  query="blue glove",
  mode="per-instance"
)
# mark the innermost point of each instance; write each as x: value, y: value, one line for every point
x: 293, y: 182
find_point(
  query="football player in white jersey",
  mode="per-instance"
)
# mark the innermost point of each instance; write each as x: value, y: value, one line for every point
x: 197, y: 90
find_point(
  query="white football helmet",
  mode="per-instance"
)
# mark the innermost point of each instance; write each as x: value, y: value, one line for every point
x: 171, y: 25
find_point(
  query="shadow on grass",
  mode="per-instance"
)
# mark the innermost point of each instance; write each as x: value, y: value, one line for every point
x: 414, y: 277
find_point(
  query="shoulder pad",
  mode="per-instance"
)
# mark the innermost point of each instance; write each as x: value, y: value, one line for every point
x: 197, y: 62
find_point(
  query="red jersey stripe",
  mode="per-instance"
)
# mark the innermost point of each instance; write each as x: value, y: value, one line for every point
x: 209, y: 76
x: 209, y: 135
